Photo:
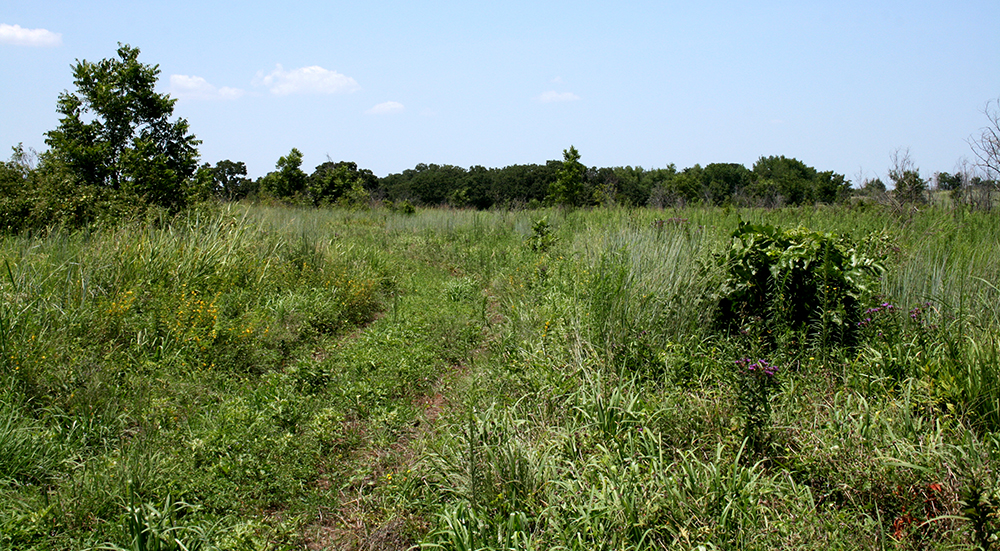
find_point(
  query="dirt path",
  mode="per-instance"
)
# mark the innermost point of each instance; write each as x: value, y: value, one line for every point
x: 363, y: 517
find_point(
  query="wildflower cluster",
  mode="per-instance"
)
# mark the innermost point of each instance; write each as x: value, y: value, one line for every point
x: 886, y: 322
x: 921, y: 323
x: 917, y: 313
x: 122, y: 304
x: 870, y: 313
x: 757, y: 384
x: 358, y: 299
x: 196, y: 318
x: 759, y: 368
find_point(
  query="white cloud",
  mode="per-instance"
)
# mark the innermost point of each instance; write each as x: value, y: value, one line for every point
x: 553, y: 96
x: 386, y: 108
x: 189, y: 87
x: 306, y: 80
x: 14, y: 34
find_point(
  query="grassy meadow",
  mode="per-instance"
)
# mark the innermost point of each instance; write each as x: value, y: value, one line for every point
x: 250, y: 377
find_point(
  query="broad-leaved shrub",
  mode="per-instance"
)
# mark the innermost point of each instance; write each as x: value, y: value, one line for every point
x: 793, y: 279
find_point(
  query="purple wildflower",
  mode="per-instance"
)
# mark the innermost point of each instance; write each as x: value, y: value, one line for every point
x: 759, y: 366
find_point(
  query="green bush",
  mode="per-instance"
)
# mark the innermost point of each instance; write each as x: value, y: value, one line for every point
x: 793, y: 279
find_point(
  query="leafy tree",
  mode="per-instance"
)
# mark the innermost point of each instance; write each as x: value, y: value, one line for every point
x: 230, y: 182
x: 479, y: 187
x: 662, y: 187
x: 288, y: 181
x: 783, y: 180
x: 15, y: 203
x: 201, y: 187
x: 722, y: 181
x: 434, y: 184
x: 634, y: 185
x: 520, y: 184
x: 688, y: 184
x: 947, y: 182
x: 37, y: 191
x: 830, y: 187
x: 339, y: 183
x: 426, y: 184
x: 567, y: 188
x: 602, y: 185
x: 873, y: 187
x: 115, y: 132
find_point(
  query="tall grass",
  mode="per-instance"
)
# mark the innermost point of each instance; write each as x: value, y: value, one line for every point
x: 615, y: 382
x: 187, y: 358
x: 365, y: 379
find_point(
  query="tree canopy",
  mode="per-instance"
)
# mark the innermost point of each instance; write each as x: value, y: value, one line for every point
x: 229, y: 180
x: 115, y: 132
x: 568, y: 187
x: 288, y: 181
x: 339, y: 183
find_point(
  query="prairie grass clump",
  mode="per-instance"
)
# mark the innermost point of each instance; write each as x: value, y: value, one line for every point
x: 28, y: 453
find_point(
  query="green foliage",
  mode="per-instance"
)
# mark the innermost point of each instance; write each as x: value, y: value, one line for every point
x: 758, y: 383
x: 776, y: 181
x: 908, y: 186
x: 229, y: 181
x: 541, y: 237
x: 15, y: 185
x: 115, y: 132
x: 288, y: 182
x: 403, y: 207
x: 329, y: 378
x: 26, y: 455
x: 722, y: 181
x: 784, y: 181
x: 795, y: 280
x: 339, y: 183
x: 568, y: 186
x: 873, y: 188
x: 979, y: 508
x: 153, y: 527
x: 948, y: 182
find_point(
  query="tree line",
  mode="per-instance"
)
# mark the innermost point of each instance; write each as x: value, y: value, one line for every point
x: 117, y: 152
x: 773, y: 181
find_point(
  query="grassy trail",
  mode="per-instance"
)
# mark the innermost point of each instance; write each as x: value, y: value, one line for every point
x: 428, y: 341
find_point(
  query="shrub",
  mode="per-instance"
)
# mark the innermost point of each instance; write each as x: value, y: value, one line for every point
x: 793, y: 279
x: 541, y: 237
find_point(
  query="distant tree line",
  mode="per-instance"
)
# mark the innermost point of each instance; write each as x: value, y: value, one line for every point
x: 773, y: 181
x: 117, y: 153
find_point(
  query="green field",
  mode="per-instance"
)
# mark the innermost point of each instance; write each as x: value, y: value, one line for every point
x: 251, y: 377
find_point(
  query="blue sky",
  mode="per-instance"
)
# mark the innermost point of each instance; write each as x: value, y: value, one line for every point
x: 838, y: 85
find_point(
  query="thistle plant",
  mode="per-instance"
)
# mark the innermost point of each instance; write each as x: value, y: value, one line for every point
x: 758, y: 382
